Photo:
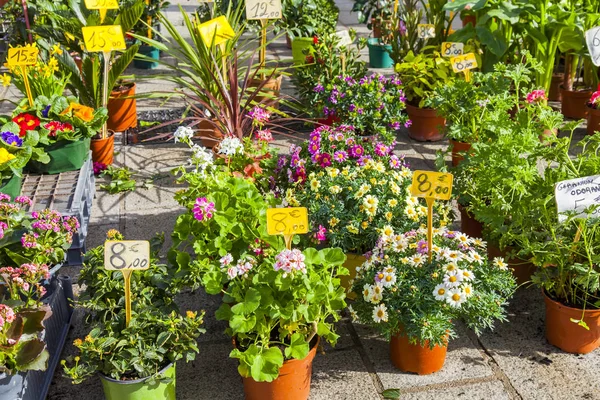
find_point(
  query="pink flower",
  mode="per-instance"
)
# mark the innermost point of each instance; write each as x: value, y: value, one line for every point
x: 259, y: 115
x: 290, y: 260
x: 321, y: 234
x: 325, y: 160
x: 595, y: 99
x: 226, y: 260
x: 203, y: 209
x: 6, y: 314
x: 357, y: 151
x: 23, y: 200
x: 232, y: 272
x: 264, y: 135
x: 536, y: 96
x: 340, y: 156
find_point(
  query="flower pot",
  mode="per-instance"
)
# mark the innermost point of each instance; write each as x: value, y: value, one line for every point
x: 298, y: 46
x: 521, y: 269
x: 415, y: 358
x: 376, y: 25
x: 103, y: 150
x: 330, y: 120
x: 148, y: 51
x: 379, y: 54
x: 139, y: 389
x: 593, y: 120
x: 12, y: 187
x: 574, y: 103
x: 65, y: 155
x: 547, y: 135
x: 209, y: 135
x: 567, y: 335
x: 271, y: 87
x: 293, y: 382
x: 458, y: 147
x: 468, y: 224
x: 469, y: 19
x: 554, y: 92
x: 426, y: 124
x: 122, y: 112
x: 352, y: 261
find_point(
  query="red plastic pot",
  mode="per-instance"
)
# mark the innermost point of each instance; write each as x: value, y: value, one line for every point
x: 593, y: 120
x: 574, y: 103
x: 468, y: 224
x: 458, y: 147
x: 426, y: 125
x: 415, y: 358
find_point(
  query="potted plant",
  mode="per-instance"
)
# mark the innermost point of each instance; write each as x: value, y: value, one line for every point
x: 416, y: 302
x: 376, y: 14
x: 122, y: 107
x: 146, y: 26
x: 421, y: 75
x: 275, y: 325
x: 65, y: 128
x: 593, y: 119
x: 134, y: 360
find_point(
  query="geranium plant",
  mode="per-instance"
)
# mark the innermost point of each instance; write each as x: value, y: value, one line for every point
x: 277, y: 303
x: 595, y: 100
x: 405, y: 293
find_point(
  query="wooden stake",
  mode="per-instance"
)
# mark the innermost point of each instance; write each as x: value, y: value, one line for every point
x: 430, y: 201
x: 127, y: 277
x: 105, y: 90
x: 27, y: 87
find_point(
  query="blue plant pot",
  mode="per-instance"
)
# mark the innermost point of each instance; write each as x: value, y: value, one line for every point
x: 148, y: 51
x: 379, y: 54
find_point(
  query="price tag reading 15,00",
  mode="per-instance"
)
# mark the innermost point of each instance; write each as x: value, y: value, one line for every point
x: 103, y: 38
x: 287, y: 221
x: 22, y: 56
x: 263, y: 9
x: 126, y: 255
x: 435, y: 185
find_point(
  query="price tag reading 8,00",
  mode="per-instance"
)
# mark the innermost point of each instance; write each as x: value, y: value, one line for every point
x: 126, y: 255
x: 426, y: 31
x: 452, y: 49
x: 263, y: 9
x: 103, y: 38
x: 287, y: 221
x: 435, y: 185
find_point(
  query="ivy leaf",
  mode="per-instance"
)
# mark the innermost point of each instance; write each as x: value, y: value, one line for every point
x: 298, y: 347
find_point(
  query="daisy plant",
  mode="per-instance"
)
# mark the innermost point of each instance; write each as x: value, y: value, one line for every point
x: 405, y: 293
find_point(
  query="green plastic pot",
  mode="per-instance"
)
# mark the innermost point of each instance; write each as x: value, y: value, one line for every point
x: 139, y: 389
x: 148, y: 51
x: 298, y: 46
x: 12, y: 187
x: 379, y: 54
x: 65, y: 155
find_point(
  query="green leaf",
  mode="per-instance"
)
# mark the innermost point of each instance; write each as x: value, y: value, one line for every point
x: 298, y: 348
x: 223, y: 313
x: 492, y: 40
x: 250, y: 303
x: 242, y: 324
x: 162, y: 338
x: 265, y: 366
x: 391, y: 394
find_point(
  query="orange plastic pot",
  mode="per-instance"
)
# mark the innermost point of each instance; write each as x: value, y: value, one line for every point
x: 458, y: 147
x: 103, y: 150
x: 415, y: 358
x: 593, y: 120
x: 209, y: 134
x: 426, y: 125
x: 574, y: 103
x: 567, y: 335
x: 554, y: 92
x: 293, y: 382
x: 521, y: 269
x: 122, y: 112
x: 468, y: 224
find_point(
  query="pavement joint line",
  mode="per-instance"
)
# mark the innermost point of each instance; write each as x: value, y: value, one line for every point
x: 498, y: 372
x: 365, y: 358
x: 451, y: 384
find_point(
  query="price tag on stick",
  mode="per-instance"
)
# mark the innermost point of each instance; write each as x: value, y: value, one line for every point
x: 104, y: 38
x: 452, y: 49
x: 217, y: 30
x: 592, y: 38
x: 431, y: 185
x: 426, y: 31
x: 22, y: 57
x: 287, y: 222
x: 464, y: 63
x: 263, y: 9
x: 127, y: 256
x: 102, y: 6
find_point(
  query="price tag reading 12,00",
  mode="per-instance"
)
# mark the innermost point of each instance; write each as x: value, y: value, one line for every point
x: 435, y: 185
x: 263, y: 9
x: 103, y: 38
x: 126, y: 254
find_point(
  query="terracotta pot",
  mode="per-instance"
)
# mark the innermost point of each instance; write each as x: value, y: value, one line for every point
x: 271, y: 87
x: 293, y: 382
x: 472, y: 19
x: 468, y: 224
x: 103, y: 150
x: 593, y: 120
x: 521, y: 269
x: 554, y: 92
x: 352, y: 261
x: 209, y: 134
x: 574, y: 103
x: 409, y: 357
x: 567, y: 335
x: 122, y: 113
x: 425, y: 124
x: 458, y: 147
x: 330, y: 120
x: 546, y: 136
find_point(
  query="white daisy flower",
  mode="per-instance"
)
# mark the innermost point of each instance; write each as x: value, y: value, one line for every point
x: 416, y: 260
x: 453, y: 279
x: 367, y: 291
x: 440, y: 292
x: 388, y: 280
x: 389, y: 270
x: 454, y: 255
x: 450, y: 267
x: 499, y: 262
x: 468, y: 276
x: 462, y: 238
x: 380, y: 313
x: 467, y: 290
x: 353, y: 313
x: 475, y: 257
x: 378, y: 289
x: 479, y: 243
x: 376, y: 298
x: 435, y: 249
x: 455, y: 297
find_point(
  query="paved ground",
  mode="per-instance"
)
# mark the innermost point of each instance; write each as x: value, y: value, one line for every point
x: 513, y: 362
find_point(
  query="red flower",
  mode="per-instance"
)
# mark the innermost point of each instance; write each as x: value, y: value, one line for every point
x: 26, y: 122
x: 309, y: 59
x: 57, y: 126
x: 315, y: 40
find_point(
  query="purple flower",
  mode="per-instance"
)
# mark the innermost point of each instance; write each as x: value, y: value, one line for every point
x: 321, y: 234
x: 319, y: 88
x: 45, y: 111
x: 315, y: 137
x: 422, y: 247
x: 203, y: 209
x: 360, y: 111
x: 362, y: 160
x: 351, y: 107
x: 381, y: 149
x: 23, y: 200
x: 340, y: 156
x: 402, y: 28
x: 11, y: 139
x: 314, y: 147
x: 339, y: 136
x: 408, y: 123
x: 357, y: 151
x: 325, y: 160
x: 395, y: 162
x: 99, y: 168
x: 259, y: 115
x: 350, y: 141
x: 395, y: 125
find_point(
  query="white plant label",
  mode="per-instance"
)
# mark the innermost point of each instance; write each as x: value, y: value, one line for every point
x: 592, y: 38
x: 263, y: 9
x: 452, y: 49
x: 344, y: 37
x: 577, y: 195
x: 426, y: 31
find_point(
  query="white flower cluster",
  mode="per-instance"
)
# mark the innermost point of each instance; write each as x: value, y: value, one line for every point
x: 231, y: 146
x: 202, y: 158
x: 183, y: 134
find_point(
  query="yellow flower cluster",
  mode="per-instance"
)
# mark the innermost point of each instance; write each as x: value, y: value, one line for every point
x: 5, y: 156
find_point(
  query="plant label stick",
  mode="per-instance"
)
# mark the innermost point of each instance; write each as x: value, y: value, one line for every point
x: 102, y: 6
x: 127, y: 256
x: 287, y: 222
x: 592, y: 38
x: 426, y: 31
x: 452, y: 49
x: 431, y: 185
x: 464, y: 63
x: 22, y: 57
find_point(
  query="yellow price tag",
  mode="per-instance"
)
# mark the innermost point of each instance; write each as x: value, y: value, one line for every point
x: 101, y: 4
x: 426, y: 31
x: 430, y: 184
x: 126, y: 255
x: 452, y: 49
x: 22, y: 56
x: 287, y: 221
x: 464, y: 63
x: 216, y: 31
x: 103, y: 38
